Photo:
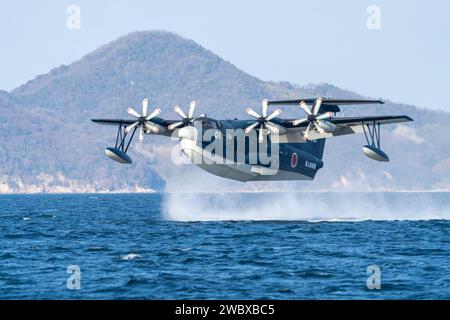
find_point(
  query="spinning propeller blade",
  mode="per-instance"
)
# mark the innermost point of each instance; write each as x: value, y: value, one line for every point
x: 263, y: 121
x: 323, y: 116
x: 143, y: 121
x: 274, y: 114
x: 260, y: 135
x: 299, y: 121
x: 187, y: 119
x: 307, y: 131
x: 133, y: 112
x: 151, y: 127
x: 316, y: 108
x: 131, y: 126
x: 180, y: 112
x: 141, y: 134
x: 250, y: 127
x: 175, y: 125
x: 192, y: 109
x: 272, y: 128
x: 144, y: 107
x: 315, y: 119
x: 265, y: 107
x: 253, y: 113
x: 153, y: 114
x: 305, y: 108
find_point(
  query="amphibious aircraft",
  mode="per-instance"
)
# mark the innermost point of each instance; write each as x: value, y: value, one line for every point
x: 264, y: 148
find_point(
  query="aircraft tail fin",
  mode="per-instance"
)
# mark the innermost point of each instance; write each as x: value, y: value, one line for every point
x: 316, y: 148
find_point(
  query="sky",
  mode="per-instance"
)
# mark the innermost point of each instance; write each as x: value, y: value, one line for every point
x: 397, y: 50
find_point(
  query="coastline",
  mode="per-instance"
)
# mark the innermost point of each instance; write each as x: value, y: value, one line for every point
x: 153, y: 191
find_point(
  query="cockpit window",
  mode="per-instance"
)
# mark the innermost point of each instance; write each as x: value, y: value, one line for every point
x: 208, y: 123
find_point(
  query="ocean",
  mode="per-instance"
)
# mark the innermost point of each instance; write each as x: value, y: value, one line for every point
x: 225, y: 246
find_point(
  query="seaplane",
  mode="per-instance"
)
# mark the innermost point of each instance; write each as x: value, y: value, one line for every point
x: 264, y: 148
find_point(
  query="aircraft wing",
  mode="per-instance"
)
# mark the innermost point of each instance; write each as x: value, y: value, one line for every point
x: 352, y: 121
x: 345, y: 125
x: 113, y: 122
x: 126, y: 122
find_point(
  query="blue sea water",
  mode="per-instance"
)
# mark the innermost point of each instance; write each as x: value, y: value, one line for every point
x: 235, y: 246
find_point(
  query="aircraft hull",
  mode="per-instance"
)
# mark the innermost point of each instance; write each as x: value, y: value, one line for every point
x: 291, y: 162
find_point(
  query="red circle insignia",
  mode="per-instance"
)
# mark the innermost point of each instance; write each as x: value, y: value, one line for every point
x: 294, y: 160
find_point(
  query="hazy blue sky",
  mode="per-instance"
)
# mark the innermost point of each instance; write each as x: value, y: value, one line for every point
x: 407, y: 60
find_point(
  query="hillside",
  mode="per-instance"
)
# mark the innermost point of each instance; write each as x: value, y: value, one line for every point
x: 49, y: 144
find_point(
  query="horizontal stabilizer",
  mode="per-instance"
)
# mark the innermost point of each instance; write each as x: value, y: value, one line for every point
x: 327, y: 101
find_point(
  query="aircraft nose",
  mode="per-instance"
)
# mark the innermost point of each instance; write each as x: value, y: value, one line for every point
x: 187, y: 133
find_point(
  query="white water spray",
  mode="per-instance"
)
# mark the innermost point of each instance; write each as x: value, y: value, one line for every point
x: 314, y: 206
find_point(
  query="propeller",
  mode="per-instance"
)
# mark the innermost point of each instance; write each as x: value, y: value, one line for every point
x: 315, y: 119
x: 143, y: 120
x: 186, y: 119
x: 263, y: 121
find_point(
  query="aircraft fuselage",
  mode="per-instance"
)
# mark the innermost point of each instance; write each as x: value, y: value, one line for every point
x: 223, y: 149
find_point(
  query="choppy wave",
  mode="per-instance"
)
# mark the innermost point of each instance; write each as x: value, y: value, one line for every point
x: 139, y: 246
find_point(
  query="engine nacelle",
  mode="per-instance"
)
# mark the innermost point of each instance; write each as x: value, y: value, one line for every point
x: 326, y: 126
